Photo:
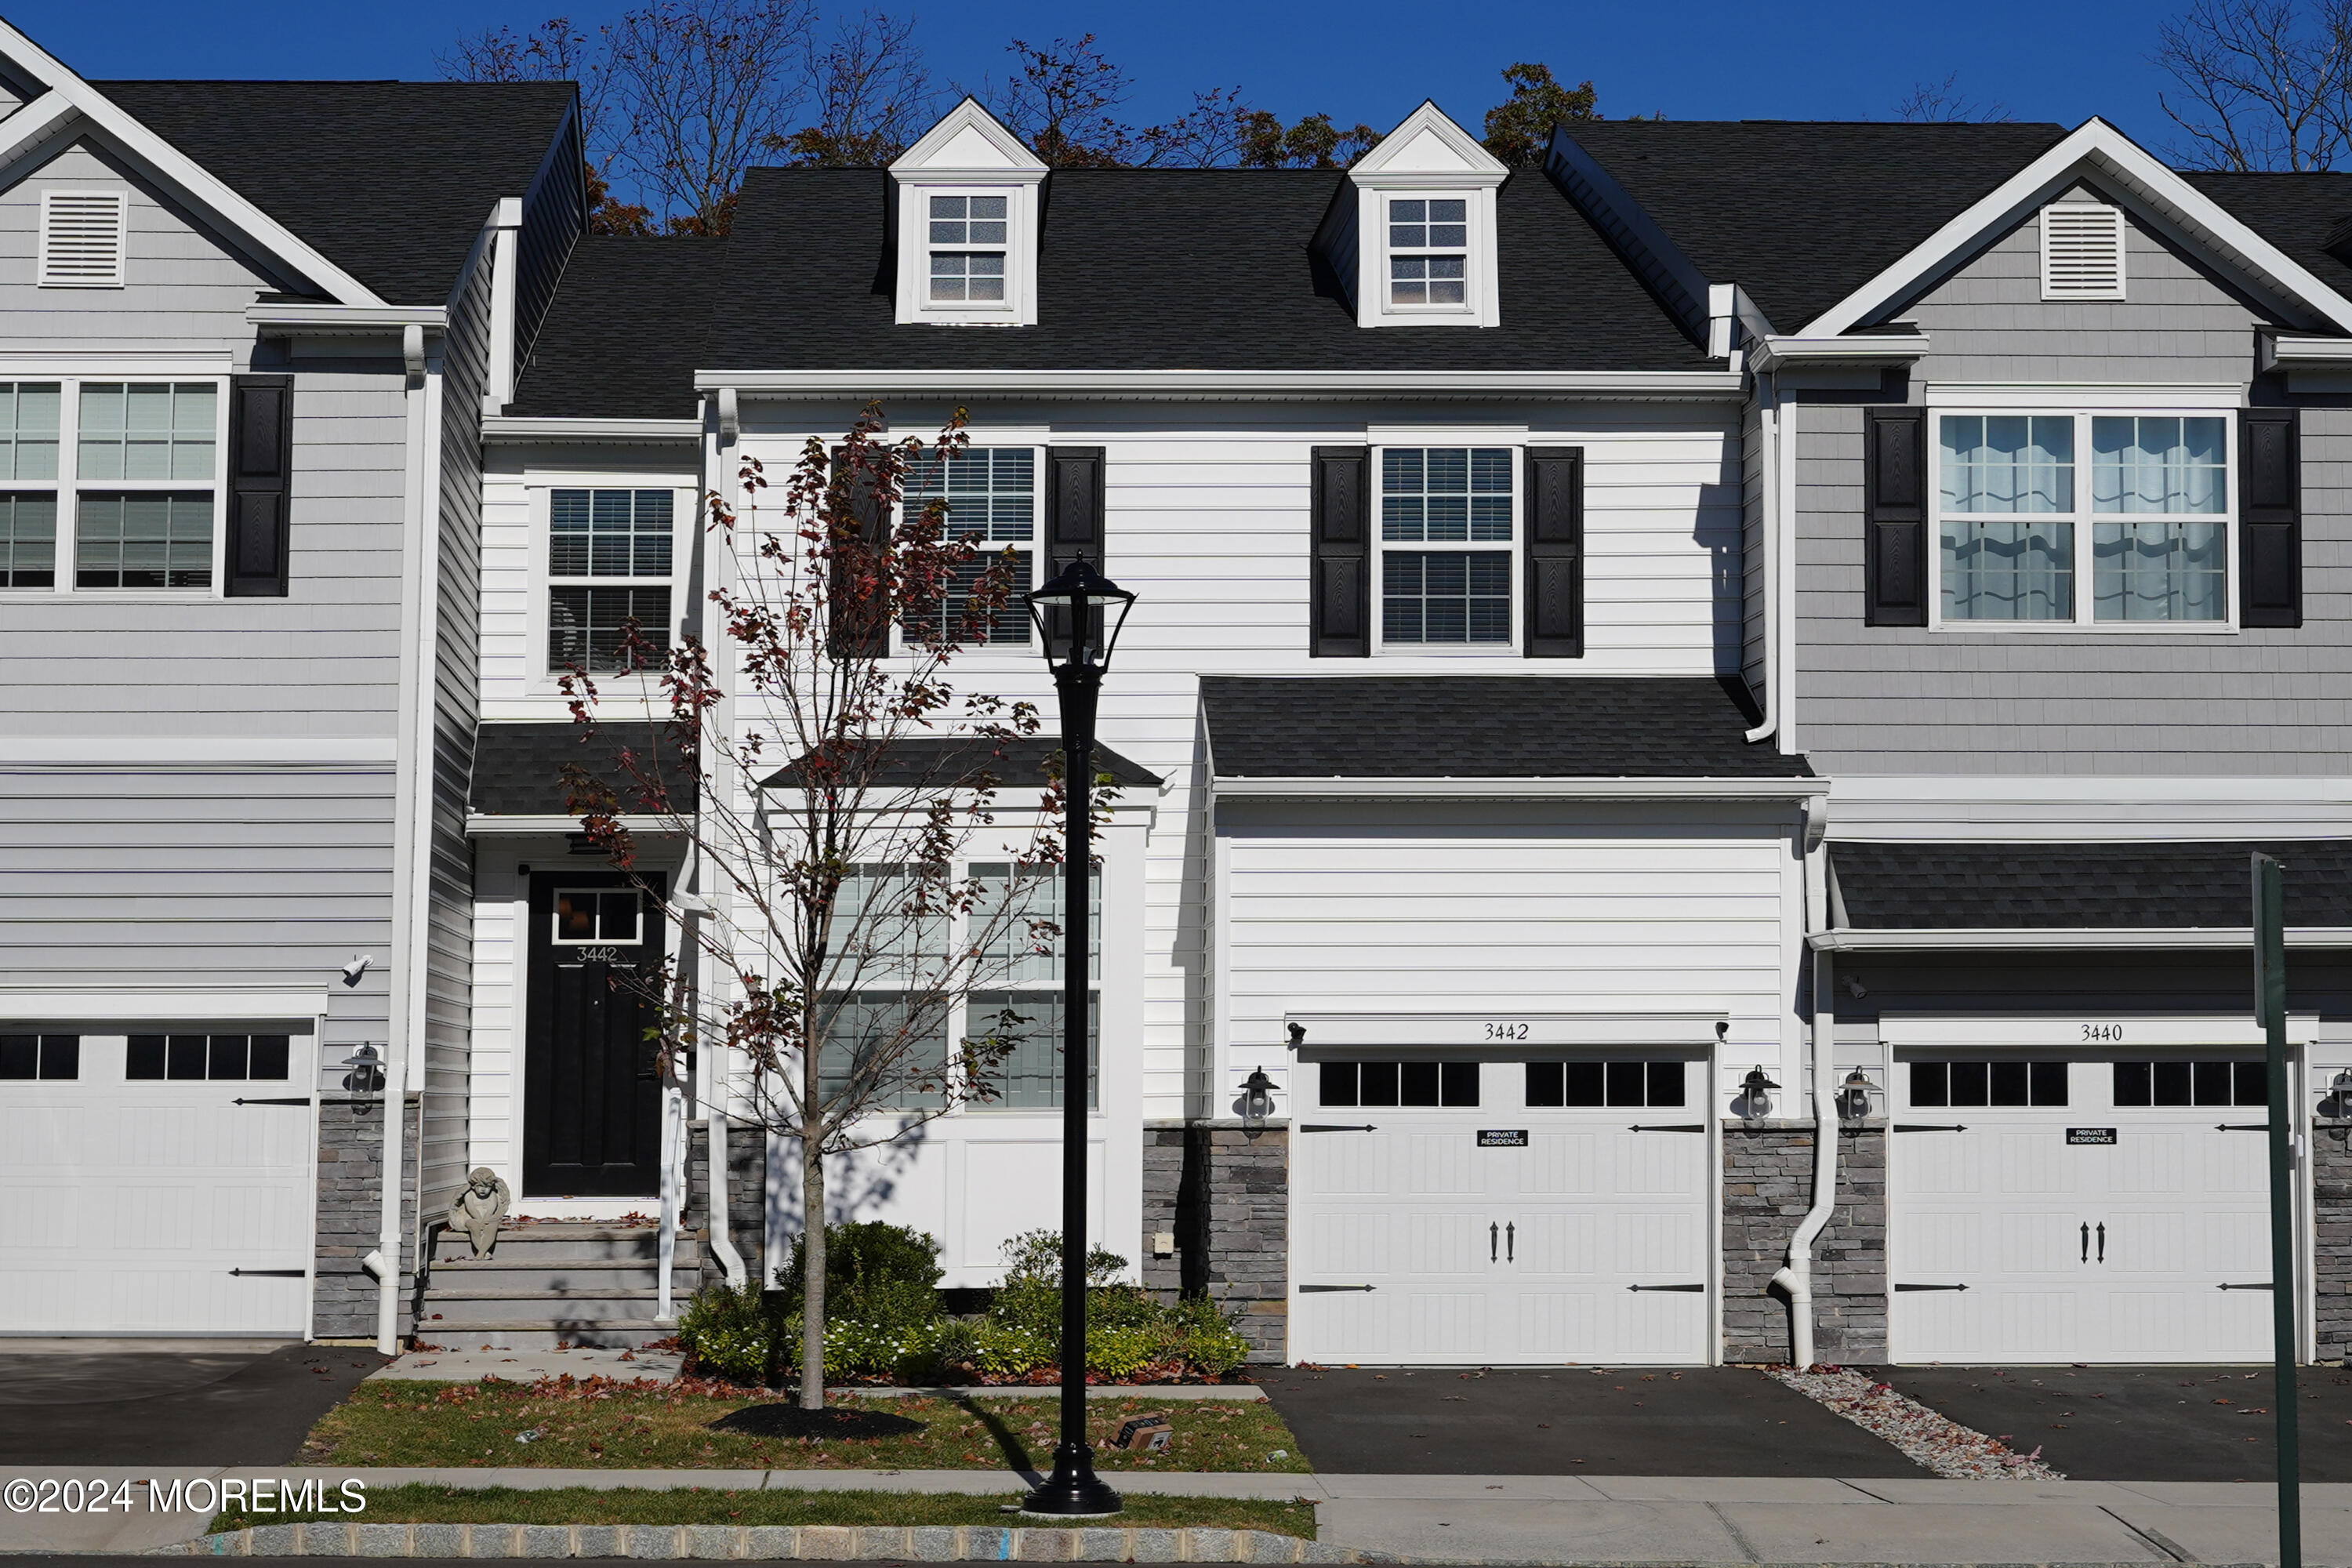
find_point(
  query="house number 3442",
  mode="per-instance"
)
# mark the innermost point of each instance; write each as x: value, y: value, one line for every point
x: 1506, y: 1031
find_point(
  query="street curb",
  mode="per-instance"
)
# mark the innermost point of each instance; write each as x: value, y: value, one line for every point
x: 828, y: 1543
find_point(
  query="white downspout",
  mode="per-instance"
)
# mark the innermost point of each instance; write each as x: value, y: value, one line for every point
x: 723, y: 1238
x: 1767, y: 415
x: 717, y: 1082
x: 1796, y: 1276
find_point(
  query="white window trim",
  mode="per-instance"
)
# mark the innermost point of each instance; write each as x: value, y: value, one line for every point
x: 2082, y: 518
x: 685, y: 502
x: 1016, y: 653
x: 1480, y: 306
x: 69, y: 484
x: 1514, y: 649
x: 1469, y: 254
x: 916, y: 306
x: 556, y: 938
x: 121, y: 197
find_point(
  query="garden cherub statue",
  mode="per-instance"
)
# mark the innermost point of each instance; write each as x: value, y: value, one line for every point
x: 479, y: 1206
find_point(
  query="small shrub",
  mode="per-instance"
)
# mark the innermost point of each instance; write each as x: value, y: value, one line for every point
x: 732, y: 1332
x: 874, y: 1273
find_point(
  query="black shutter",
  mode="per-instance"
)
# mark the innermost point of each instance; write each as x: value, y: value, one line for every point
x: 1555, y: 510
x: 860, y: 624
x: 1895, y: 521
x: 2270, y: 517
x: 1074, y: 523
x: 260, y: 474
x: 1340, y: 593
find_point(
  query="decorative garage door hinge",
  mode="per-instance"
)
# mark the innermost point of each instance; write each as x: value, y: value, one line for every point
x: 1665, y: 1287
x: 1931, y: 1287
x: 2241, y: 1127
x: 1326, y: 1127
x: 1931, y: 1126
x: 1327, y: 1290
x: 282, y: 1099
x: 2261, y: 1285
x: 270, y: 1273
x: 1668, y: 1127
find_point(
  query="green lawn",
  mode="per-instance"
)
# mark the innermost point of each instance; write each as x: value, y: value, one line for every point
x: 601, y: 1426
x: 628, y: 1505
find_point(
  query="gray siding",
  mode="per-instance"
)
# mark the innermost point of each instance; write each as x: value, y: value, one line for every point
x: 186, y: 291
x: 444, y: 1130
x: 1988, y: 322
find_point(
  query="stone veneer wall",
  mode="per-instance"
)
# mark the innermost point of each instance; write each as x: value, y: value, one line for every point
x: 747, y: 1196
x: 1767, y: 1186
x: 1222, y: 1190
x: 2331, y: 1192
x: 351, y: 1217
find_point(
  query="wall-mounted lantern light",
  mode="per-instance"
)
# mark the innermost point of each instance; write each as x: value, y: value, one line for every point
x: 1853, y: 1097
x: 366, y: 1075
x: 2336, y: 1104
x: 1257, y: 1097
x: 1755, y: 1094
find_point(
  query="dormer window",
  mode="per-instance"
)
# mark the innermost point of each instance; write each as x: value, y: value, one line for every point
x: 967, y: 202
x: 1410, y: 231
x: 967, y: 236
x: 1429, y: 244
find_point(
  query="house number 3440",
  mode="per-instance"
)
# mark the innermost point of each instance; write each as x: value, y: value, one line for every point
x: 2109, y: 1034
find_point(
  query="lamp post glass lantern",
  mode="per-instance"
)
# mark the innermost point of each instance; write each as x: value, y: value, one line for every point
x: 1079, y: 616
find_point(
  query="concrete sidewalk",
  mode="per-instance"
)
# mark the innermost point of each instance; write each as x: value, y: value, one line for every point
x: 1519, y: 1519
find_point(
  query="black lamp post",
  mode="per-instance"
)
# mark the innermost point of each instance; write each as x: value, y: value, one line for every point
x: 1079, y: 617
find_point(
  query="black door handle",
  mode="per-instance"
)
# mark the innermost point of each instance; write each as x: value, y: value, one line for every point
x: 2086, y: 1241
x: 2102, y: 1241
x: 1493, y: 1245
x: 1511, y: 1242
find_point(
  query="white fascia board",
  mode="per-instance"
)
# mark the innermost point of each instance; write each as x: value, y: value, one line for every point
x: 2282, y: 351
x: 1406, y: 1031
x: 1928, y: 1031
x: 1712, y: 384
x: 1518, y: 789
x: 2073, y: 939
x: 510, y: 430
x: 2121, y: 160
x: 345, y: 319
x: 1813, y: 349
x: 46, y: 116
x: 177, y: 169
x: 1471, y: 164
x: 480, y: 826
x: 1013, y: 160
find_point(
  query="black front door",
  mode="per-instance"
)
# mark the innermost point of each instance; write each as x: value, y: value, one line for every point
x: 591, y: 1095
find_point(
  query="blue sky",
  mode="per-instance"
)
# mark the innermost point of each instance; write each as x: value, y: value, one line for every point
x: 1371, y: 60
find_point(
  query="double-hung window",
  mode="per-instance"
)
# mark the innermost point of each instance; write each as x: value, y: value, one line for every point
x: 1447, y: 523
x: 109, y: 485
x: 609, y: 561
x: 967, y: 245
x: 1014, y: 1035
x: 1429, y: 251
x: 991, y: 494
x: 2026, y: 536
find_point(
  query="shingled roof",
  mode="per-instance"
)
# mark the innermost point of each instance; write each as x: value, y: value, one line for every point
x: 392, y: 181
x: 1485, y: 727
x: 1802, y: 213
x: 631, y: 321
x: 2039, y: 886
x: 519, y: 768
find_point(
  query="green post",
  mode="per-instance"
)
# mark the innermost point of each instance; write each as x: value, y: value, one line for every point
x: 2269, y: 1008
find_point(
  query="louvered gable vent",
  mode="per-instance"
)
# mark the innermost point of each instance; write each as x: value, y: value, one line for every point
x: 81, y: 239
x: 2082, y: 251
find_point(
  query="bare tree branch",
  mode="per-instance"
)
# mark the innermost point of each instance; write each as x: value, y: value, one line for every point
x: 2263, y: 83
x: 705, y: 85
x: 873, y: 96
x: 1943, y: 103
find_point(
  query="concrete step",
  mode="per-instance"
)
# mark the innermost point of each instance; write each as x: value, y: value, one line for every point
x: 545, y: 1333
x: 570, y: 1276
x: 527, y: 1307
x: 556, y: 1242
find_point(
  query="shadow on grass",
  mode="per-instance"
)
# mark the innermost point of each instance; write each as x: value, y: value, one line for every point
x: 1008, y: 1442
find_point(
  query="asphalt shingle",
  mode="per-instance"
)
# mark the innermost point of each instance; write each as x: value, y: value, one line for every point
x: 1440, y: 726
x: 2080, y: 886
x: 519, y: 768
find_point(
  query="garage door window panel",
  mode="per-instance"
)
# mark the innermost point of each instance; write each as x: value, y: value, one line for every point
x: 2192, y: 1083
x: 1632, y: 1084
x: 240, y: 1058
x: 56, y: 1058
x: 1350, y: 1085
x: 1959, y: 1085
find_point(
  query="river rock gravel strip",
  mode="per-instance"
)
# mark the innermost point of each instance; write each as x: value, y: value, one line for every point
x: 1954, y: 1452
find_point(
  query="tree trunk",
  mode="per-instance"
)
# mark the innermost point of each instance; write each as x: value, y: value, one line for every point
x: 812, y: 1238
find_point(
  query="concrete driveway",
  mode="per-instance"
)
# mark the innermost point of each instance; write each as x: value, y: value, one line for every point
x: 68, y: 1402
x: 1691, y: 1421
x: 2144, y: 1423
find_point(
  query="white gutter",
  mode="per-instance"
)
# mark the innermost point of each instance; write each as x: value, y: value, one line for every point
x: 1715, y: 385
x: 346, y: 318
x: 1866, y: 349
x: 1767, y: 424
x: 2089, y: 939
x: 508, y: 429
x: 1339, y: 788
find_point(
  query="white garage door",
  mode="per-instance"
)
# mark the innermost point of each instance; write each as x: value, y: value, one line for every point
x: 2079, y: 1211
x: 141, y: 1196
x: 1499, y: 1213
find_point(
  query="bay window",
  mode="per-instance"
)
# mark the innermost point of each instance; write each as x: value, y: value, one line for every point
x: 2026, y: 538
